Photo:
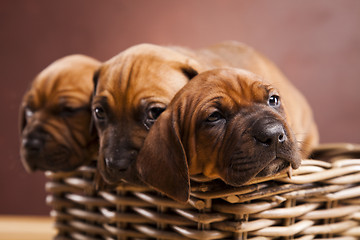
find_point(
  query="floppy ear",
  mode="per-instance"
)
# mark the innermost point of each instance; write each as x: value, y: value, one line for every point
x: 192, y: 68
x: 162, y: 162
x: 189, y: 72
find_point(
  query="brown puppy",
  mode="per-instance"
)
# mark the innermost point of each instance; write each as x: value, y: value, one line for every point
x: 55, y: 116
x: 229, y: 124
x: 132, y: 89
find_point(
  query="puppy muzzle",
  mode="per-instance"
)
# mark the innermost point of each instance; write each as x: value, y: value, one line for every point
x: 265, y: 148
x: 41, y: 151
x: 116, y: 166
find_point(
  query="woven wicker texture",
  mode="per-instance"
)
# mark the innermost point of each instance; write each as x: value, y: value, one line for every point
x: 320, y: 201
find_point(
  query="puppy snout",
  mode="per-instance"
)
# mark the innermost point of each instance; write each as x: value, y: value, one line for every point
x: 34, y: 142
x: 118, y: 164
x: 269, y: 133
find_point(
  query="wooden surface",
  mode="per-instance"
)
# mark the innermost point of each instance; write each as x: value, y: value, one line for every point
x: 26, y: 227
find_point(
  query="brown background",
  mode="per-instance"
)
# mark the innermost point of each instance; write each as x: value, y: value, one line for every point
x: 316, y: 44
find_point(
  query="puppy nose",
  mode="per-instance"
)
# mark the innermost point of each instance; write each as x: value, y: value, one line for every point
x: 120, y: 164
x: 33, y: 143
x: 269, y: 132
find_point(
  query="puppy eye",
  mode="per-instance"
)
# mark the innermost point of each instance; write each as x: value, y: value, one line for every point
x: 99, y: 113
x: 154, y: 112
x: 214, y: 117
x: 68, y: 111
x: 274, y: 101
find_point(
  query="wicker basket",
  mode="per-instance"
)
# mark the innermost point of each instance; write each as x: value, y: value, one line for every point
x: 320, y: 201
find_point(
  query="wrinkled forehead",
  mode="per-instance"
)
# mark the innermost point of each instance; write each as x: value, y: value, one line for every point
x: 58, y: 87
x: 140, y: 74
x: 67, y: 80
x: 238, y: 85
x: 232, y: 78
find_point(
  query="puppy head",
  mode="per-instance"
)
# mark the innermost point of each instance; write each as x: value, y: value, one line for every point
x: 225, y: 123
x: 132, y: 90
x: 55, y: 116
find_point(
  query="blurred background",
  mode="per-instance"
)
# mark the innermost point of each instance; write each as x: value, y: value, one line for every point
x: 315, y: 43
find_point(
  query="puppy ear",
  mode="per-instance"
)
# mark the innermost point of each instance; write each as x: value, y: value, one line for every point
x: 192, y: 68
x: 162, y: 162
x: 189, y: 72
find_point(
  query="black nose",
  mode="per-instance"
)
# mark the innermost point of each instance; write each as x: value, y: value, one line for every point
x: 114, y: 164
x: 269, y: 132
x: 33, y: 143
